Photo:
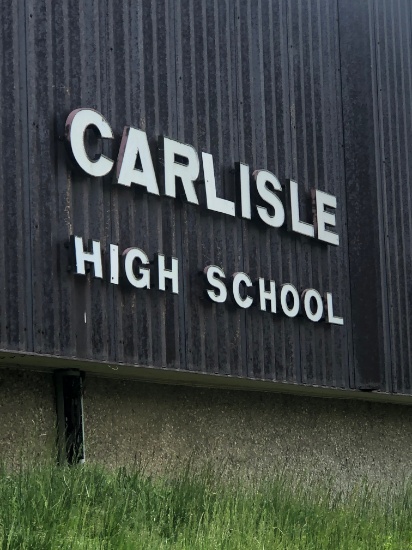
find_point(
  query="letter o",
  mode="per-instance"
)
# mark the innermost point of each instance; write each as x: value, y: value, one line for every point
x: 285, y: 291
x: 307, y: 296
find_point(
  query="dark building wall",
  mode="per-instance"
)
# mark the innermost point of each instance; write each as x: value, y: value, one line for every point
x: 316, y: 91
x: 377, y: 95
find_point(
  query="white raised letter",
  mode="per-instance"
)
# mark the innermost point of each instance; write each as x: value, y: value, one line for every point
x: 263, y: 177
x: 267, y: 295
x: 244, y: 182
x: 296, y: 225
x: 114, y: 264
x: 239, y: 278
x: 324, y: 218
x: 171, y: 274
x: 129, y: 256
x: 213, y: 201
x: 213, y: 272
x: 286, y: 290
x: 329, y: 310
x: 81, y: 257
x: 76, y: 125
x: 188, y: 173
x: 134, y: 142
x: 307, y: 296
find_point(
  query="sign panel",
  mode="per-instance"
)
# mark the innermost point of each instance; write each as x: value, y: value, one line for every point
x: 263, y: 200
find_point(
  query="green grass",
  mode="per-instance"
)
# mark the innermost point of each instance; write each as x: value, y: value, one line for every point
x: 88, y: 507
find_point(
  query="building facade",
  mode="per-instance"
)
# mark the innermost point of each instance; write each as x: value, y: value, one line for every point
x: 212, y: 194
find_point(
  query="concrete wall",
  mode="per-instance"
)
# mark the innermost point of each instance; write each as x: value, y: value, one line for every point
x: 27, y: 416
x: 247, y: 433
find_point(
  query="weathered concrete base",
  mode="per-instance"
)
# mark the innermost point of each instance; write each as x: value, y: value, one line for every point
x: 27, y: 417
x: 248, y: 433
x: 243, y: 433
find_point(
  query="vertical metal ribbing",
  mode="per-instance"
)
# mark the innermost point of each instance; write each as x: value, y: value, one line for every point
x: 24, y: 17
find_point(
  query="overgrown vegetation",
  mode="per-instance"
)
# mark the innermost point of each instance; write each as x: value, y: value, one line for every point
x: 87, y: 507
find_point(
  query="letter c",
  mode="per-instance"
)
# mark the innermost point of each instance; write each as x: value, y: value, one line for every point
x: 76, y: 124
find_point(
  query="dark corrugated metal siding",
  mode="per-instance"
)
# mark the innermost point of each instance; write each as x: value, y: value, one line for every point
x: 66, y: 66
x: 15, y: 269
x: 318, y: 91
x: 141, y: 92
x: 264, y: 141
x: 317, y: 161
x: 207, y: 118
x: 365, y: 229
x: 394, y: 85
x: 377, y: 98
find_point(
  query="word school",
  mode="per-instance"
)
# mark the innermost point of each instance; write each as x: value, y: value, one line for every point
x: 181, y: 163
x: 133, y: 266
